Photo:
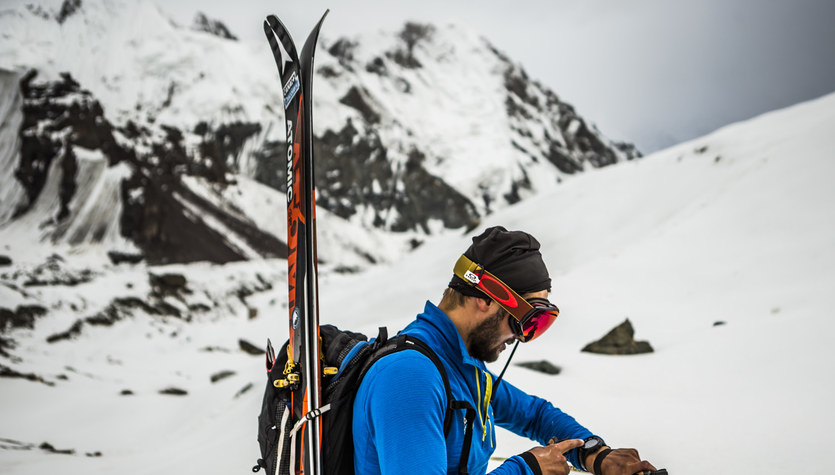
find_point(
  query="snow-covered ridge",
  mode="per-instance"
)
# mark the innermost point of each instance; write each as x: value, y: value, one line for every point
x: 418, y: 131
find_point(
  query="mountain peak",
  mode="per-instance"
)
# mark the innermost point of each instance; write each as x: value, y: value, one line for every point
x: 418, y: 130
x: 212, y: 26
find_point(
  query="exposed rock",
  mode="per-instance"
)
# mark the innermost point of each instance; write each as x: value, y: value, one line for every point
x: 6, y: 372
x: 542, y: 366
x: 118, y: 309
x: 199, y: 307
x: 68, y: 8
x: 15, y: 444
x: 69, y: 334
x: 222, y: 148
x: 269, y: 165
x: 249, y: 348
x: 243, y: 390
x: 221, y: 375
x: 215, y: 27
x: 358, y: 98
x: 619, y: 341
x: 371, y: 171
x: 54, y: 272
x: 6, y: 344
x: 46, y: 446
x: 411, y: 35
x: 22, y: 317
x: 522, y: 183
x: 162, y: 216
x: 343, y: 50
x: 118, y: 257
x: 172, y: 391
x: 58, y: 116
x: 168, y: 284
x: 406, y: 198
x: 5, y: 261
x: 377, y: 66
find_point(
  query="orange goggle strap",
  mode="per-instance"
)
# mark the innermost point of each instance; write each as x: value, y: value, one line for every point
x: 491, y: 285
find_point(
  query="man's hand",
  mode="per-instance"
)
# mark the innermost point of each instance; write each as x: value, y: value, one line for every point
x: 621, y: 462
x: 551, y: 459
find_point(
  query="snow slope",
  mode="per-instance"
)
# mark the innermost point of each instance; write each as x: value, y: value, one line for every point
x: 430, y: 99
x: 734, y: 227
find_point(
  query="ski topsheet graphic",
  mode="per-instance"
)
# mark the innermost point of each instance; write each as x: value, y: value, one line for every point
x: 304, y: 366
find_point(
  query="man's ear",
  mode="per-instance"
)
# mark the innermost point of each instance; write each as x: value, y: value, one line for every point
x: 483, y: 305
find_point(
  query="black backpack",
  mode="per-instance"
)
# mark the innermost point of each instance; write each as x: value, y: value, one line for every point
x: 276, y: 422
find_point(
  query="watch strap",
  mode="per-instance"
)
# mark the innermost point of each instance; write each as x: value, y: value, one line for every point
x: 598, y: 461
x: 583, y: 452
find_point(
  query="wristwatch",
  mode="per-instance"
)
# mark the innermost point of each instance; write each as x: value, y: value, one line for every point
x: 591, y: 445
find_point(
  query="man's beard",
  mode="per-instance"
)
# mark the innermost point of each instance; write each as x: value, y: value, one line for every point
x: 483, y: 344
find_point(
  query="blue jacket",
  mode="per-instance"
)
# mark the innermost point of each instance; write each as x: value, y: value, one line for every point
x: 400, y: 406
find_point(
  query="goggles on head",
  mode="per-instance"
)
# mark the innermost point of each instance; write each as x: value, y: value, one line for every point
x: 530, y: 317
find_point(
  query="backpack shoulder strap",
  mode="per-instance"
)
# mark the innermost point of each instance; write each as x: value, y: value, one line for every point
x: 407, y: 342
x: 452, y: 405
x: 417, y: 344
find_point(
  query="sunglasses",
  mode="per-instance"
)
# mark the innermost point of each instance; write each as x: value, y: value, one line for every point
x: 530, y: 318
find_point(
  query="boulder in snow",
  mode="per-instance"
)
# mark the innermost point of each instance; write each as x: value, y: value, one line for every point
x: 619, y: 341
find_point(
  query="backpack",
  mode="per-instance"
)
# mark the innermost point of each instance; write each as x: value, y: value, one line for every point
x: 347, y: 358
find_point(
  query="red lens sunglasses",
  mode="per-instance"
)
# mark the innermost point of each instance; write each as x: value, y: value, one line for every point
x: 530, y: 317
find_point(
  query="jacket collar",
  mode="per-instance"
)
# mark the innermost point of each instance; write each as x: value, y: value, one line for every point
x: 434, y: 327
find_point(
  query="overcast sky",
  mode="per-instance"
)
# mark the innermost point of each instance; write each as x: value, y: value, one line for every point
x: 652, y: 72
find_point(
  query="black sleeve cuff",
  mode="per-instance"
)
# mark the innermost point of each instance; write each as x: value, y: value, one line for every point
x: 530, y: 459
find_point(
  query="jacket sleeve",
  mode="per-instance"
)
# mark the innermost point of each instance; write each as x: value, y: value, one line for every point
x: 535, y: 418
x: 398, y: 420
x: 513, y: 466
x: 402, y: 422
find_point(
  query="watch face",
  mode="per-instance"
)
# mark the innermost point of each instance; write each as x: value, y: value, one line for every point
x: 591, y: 443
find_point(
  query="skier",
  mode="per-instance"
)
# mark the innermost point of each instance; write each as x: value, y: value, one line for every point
x: 400, y: 407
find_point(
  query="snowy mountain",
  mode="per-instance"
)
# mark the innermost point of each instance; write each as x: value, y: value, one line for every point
x: 718, y: 250
x: 146, y: 139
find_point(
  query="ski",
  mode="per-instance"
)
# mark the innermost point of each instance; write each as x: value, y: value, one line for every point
x: 297, y: 84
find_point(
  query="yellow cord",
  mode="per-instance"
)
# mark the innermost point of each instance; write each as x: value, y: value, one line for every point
x: 488, y: 390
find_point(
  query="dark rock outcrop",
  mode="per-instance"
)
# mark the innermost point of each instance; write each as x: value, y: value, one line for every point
x: 68, y: 8
x: 221, y: 375
x: 214, y: 27
x: 619, y: 341
x: 23, y: 316
x: 174, y: 391
x: 542, y: 366
x: 249, y: 348
x: 356, y: 172
x: 174, y: 179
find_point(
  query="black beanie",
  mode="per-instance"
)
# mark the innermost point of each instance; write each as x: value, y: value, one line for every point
x: 512, y: 256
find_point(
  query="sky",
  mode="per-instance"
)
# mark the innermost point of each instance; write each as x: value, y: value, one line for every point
x: 651, y: 72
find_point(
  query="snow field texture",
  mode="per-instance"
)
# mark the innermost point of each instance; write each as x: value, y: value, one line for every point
x: 731, y: 227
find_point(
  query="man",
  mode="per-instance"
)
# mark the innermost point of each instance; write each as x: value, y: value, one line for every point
x: 498, y: 295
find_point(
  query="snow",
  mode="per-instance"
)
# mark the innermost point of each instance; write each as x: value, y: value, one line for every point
x: 122, y: 50
x: 11, y: 117
x: 463, y: 99
x: 734, y: 227
x: 454, y: 112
